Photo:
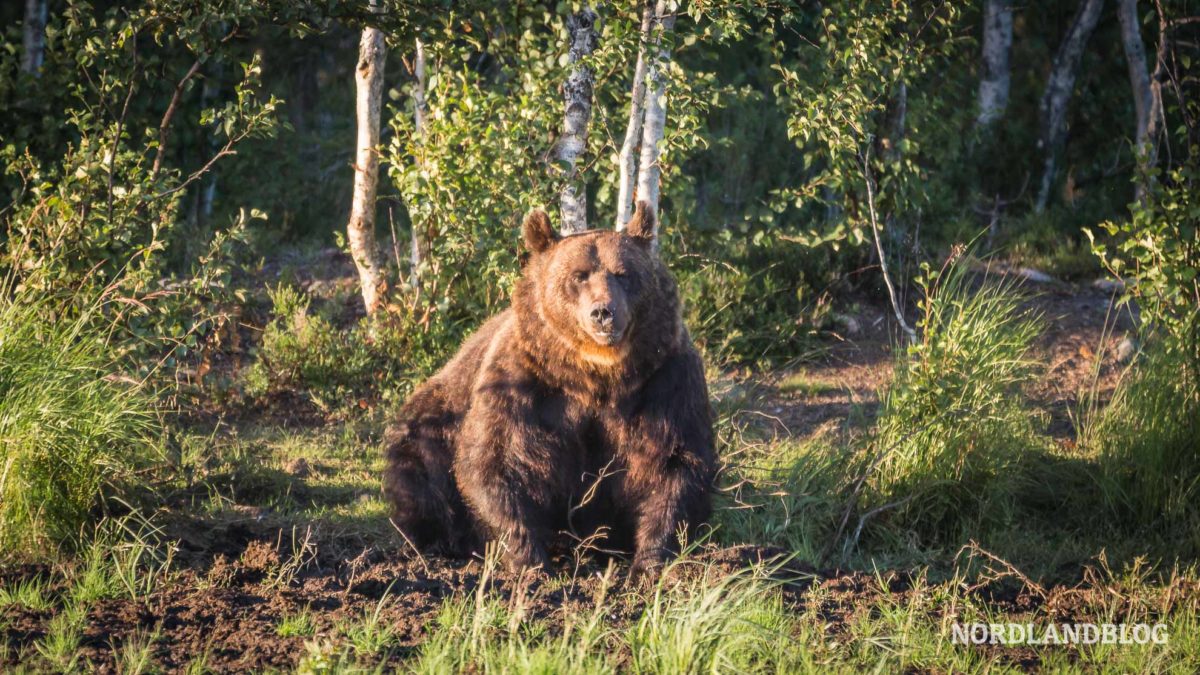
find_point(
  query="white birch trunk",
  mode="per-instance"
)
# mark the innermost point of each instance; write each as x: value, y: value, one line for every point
x: 633, y: 130
x: 34, y: 35
x: 996, y: 80
x: 649, y: 170
x: 1147, y: 91
x: 368, y: 78
x: 897, y: 124
x: 420, y: 110
x: 577, y: 94
x: 208, y: 94
x: 1059, y: 89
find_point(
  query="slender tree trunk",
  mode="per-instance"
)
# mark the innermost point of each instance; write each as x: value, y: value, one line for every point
x: 995, y: 82
x: 360, y: 231
x: 577, y: 93
x: 649, y: 170
x: 895, y: 126
x: 420, y: 104
x: 1059, y: 88
x: 1147, y: 92
x: 34, y: 33
x: 420, y: 111
x: 208, y: 187
x: 633, y: 130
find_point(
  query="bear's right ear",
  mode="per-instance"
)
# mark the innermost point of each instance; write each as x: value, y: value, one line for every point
x: 538, y: 234
x: 641, y: 227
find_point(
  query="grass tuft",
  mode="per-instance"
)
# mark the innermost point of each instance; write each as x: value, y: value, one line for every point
x: 297, y: 625
x: 71, y: 431
x: 1148, y: 443
x: 32, y: 593
x: 953, y: 426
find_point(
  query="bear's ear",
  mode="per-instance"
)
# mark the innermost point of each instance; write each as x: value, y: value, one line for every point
x: 641, y: 227
x: 538, y: 234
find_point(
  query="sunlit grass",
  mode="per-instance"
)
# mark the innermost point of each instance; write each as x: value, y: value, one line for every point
x: 72, y: 429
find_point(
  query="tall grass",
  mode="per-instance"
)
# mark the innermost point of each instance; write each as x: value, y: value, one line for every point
x: 784, y: 494
x: 1148, y: 443
x: 483, y: 632
x: 953, y: 427
x: 736, y: 623
x: 695, y: 620
x: 72, y: 431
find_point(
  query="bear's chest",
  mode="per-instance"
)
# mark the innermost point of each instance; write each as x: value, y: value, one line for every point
x: 588, y: 429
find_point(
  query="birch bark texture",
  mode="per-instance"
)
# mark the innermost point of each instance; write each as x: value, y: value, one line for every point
x: 996, y: 80
x: 33, y: 31
x: 420, y: 112
x: 577, y: 94
x: 1059, y: 88
x: 360, y: 231
x: 1147, y: 90
x: 649, y: 169
x: 633, y: 129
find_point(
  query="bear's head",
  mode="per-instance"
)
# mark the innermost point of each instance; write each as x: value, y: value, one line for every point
x: 597, y: 290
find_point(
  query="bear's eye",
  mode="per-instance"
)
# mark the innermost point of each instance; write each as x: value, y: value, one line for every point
x: 621, y: 278
x: 580, y: 276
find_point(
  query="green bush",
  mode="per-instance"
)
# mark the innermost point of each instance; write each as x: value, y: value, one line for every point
x: 953, y: 428
x: 72, y: 430
x: 1148, y: 438
x: 306, y: 353
x: 338, y: 368
x: 1158, y: 252
x: 750, y: 300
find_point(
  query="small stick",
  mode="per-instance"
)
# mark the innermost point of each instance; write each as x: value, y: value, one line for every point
x: 408, y: 541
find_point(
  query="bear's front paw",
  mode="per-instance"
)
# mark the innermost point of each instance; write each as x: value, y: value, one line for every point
x: 645, y: 569
x: 523, y: 559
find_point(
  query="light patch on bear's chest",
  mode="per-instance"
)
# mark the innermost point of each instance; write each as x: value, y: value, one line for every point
x: 601, y: 355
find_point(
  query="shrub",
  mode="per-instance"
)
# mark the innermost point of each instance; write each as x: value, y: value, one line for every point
x: 1158, y: 252
x: 762, y: 316
x: 1148, y: 438
x: 336, y: 368
x: 72, y: 431
x: 953, y: 428
x: 305, y: 352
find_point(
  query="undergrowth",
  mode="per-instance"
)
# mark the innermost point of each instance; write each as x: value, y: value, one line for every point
x: 953, y: 425
x: 73, y: 430
x: 339, y: 369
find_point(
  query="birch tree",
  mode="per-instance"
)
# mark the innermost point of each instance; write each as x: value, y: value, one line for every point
x: 1147, y: 89
x: 577, y: 94
x: 420, y: 111
x: 995, y: 82
x: 649, y: 170
x: 633, y: 130
x: 368, y: 79
x: 1057, y: 97
x: 34, y: 36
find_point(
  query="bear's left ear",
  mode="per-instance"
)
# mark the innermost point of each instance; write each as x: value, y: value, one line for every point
x: 538, y: 234
x: 641, y: 227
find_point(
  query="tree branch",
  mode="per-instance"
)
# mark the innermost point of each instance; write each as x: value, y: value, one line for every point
x: 887, y: 279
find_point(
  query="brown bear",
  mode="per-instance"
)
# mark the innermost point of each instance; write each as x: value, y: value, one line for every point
x: 580, y: 410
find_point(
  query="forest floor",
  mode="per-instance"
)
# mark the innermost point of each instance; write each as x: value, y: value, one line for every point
x: 283, y: 555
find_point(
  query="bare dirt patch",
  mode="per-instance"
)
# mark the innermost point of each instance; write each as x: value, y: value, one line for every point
x: 1081, y: 350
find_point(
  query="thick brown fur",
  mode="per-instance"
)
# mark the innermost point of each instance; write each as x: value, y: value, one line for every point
x: 582, y: 409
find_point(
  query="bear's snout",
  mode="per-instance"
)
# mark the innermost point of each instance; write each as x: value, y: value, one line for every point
x: 605, y: 321
x: 602, y: 317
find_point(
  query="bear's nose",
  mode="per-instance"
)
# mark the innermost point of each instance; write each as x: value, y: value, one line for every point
x: 602, y: 316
